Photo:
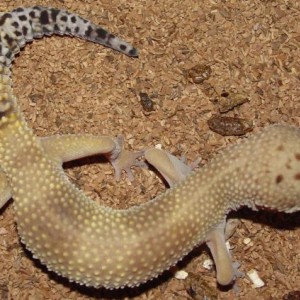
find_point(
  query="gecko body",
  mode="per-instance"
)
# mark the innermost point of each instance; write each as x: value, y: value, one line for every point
x: 99, y: 246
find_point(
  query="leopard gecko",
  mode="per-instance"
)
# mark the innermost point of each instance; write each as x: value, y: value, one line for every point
x: 98, y: 246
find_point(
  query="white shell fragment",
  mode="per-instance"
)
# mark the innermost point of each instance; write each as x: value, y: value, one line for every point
x: 247, y: 241
x: 208, y: 264
x: 181, y: 275
x: 228, y: 246
x: 256, y: 280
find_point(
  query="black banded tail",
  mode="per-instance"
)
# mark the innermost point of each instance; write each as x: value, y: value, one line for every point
x: 25, y: 24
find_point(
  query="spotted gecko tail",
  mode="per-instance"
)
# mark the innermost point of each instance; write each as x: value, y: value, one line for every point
x: 25, y: 24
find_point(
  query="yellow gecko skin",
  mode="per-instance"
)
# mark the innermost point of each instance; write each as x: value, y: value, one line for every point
x: 98, y: 246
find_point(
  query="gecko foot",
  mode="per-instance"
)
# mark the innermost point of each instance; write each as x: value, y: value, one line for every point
x: 123, y: 159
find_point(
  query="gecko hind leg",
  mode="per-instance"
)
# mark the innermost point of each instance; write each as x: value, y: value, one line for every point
x: 64, y: 148
x: 175, y: 170
x: 70, y: 147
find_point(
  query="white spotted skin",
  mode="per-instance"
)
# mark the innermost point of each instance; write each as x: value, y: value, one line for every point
x: 98, y: 246
x: 24, y: 24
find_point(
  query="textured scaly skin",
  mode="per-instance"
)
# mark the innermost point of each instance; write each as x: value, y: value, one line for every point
x: 99, y: 246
